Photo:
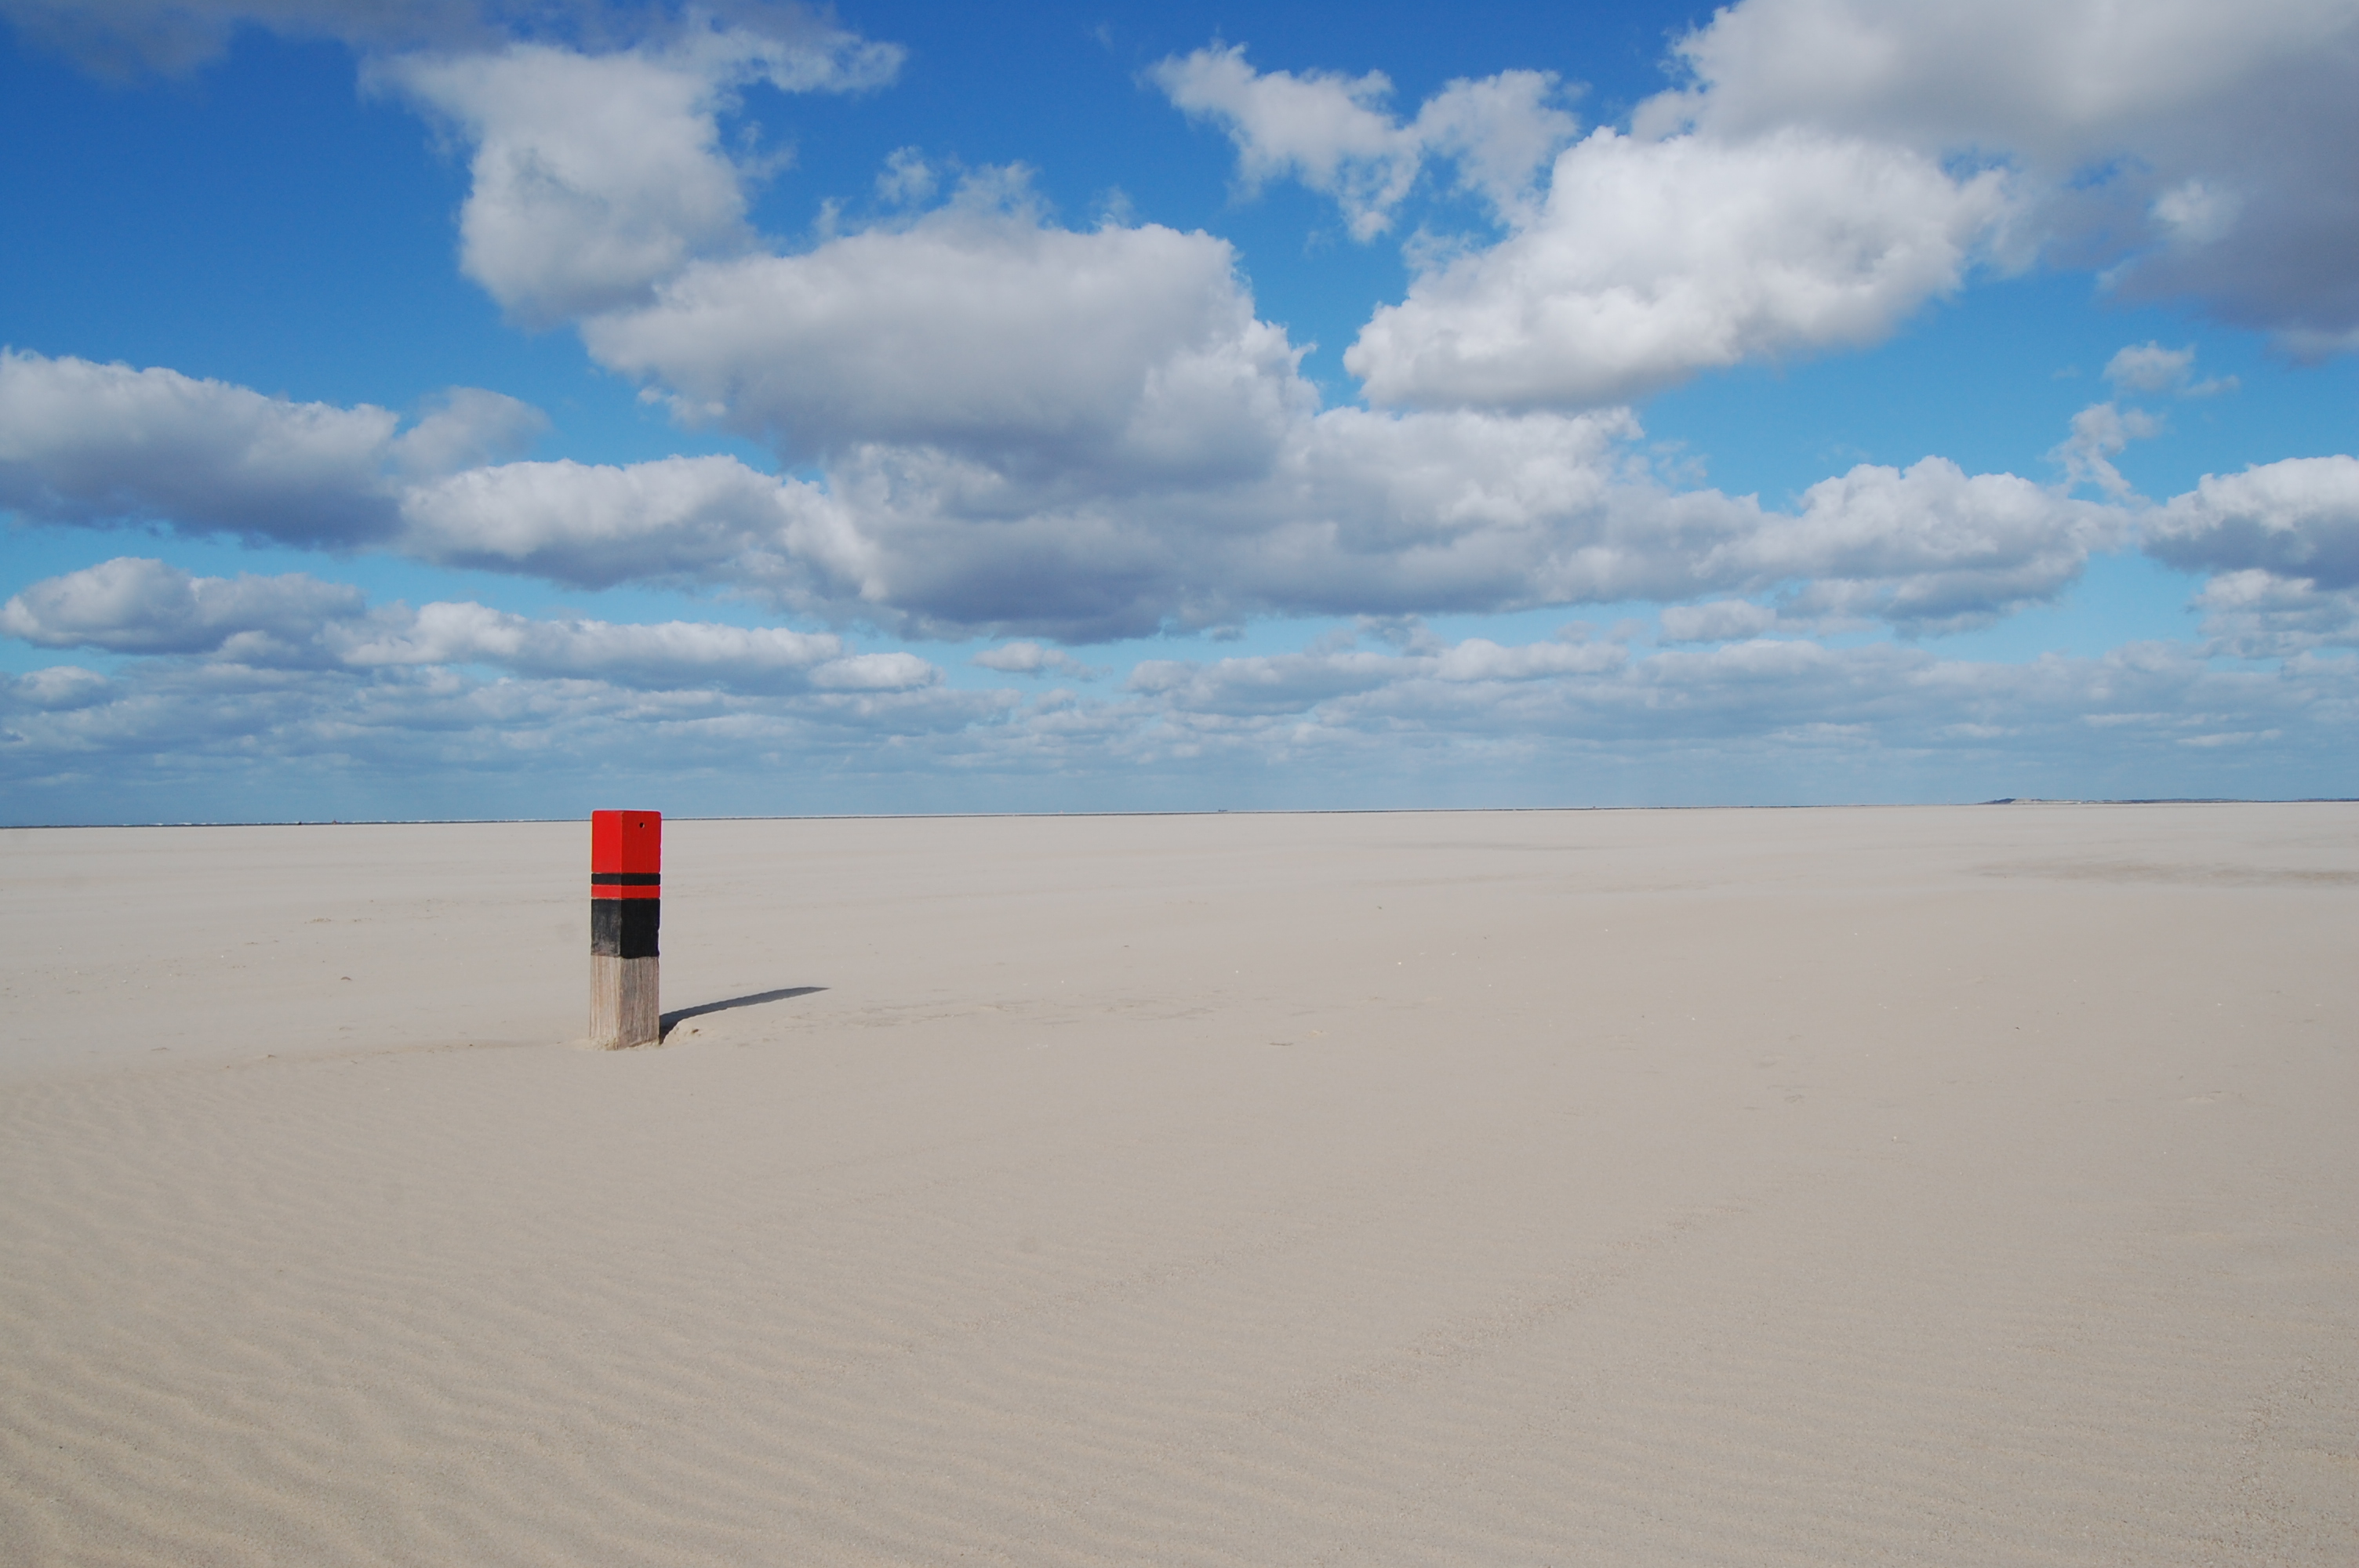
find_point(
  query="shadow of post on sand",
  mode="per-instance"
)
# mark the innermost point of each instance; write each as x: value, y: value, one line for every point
x: 673, y: 1019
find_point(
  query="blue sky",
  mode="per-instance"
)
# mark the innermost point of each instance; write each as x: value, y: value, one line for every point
x: 475, y: 410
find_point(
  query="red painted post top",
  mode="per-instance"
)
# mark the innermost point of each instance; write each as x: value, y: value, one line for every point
x: 626, y: 854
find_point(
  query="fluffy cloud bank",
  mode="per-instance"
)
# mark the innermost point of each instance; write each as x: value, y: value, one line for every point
x: 1025, y: 429
x: 1335, y: 511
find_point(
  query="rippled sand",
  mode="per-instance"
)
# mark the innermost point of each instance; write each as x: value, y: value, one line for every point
x: 1932, y: 1186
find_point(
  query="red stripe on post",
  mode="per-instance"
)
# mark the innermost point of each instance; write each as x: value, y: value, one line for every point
x: 626, y: 841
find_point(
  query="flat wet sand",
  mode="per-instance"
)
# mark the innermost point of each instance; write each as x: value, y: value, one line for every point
x: 1926, y: 1186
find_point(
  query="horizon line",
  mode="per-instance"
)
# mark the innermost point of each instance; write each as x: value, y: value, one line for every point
x: 1223, y: 811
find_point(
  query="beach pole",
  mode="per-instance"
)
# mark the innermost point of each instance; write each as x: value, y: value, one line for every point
x: 626, y: 906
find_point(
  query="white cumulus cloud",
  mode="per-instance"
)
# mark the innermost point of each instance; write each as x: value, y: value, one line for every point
x: 1652, y: 260
x: 87, y: 443
x: 876, y: 672
x: 1335, y: 134
x: 660, y: 655
x: 61, y: 687
x: 2295, y: 519
x: 2150, y: 368
x: 1927, y: 548
x: 2101, y: 432
x: 131, y: 605
x: 82, y: 442
x: 596, y: 524
x: 596, y: 174
x: 2201, y: 150
x: 1481, y: 659
x: 1022, y: 658
x: 2256, y: 614
x: 1722, y: 621
x: 981, y: 332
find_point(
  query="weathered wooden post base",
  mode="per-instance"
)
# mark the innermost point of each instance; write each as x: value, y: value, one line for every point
x: 625, y: 1004
x: 626, y: 911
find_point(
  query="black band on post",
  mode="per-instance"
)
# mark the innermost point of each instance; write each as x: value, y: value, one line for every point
x: 624, y: 927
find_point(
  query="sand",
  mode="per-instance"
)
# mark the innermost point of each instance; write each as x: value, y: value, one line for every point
x: 1968, y: 1186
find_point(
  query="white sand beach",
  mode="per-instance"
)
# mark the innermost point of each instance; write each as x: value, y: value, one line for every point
x: 1931, y: 1186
